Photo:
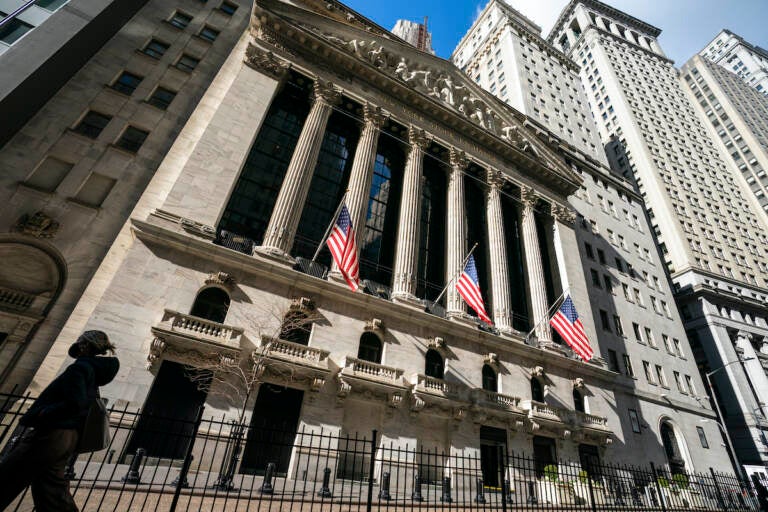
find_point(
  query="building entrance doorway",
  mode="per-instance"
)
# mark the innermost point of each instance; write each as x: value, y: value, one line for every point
x: 493, y: 449
x: 273, y: 429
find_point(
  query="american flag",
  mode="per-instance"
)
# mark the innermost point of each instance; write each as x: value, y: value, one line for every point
x: 341, y: 242
x: 469, y: 289
x: 567, y: 324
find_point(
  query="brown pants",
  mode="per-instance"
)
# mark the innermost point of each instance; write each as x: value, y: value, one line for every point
x: 39, y: 461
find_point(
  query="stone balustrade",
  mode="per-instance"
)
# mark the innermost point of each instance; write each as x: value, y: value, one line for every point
x: 592, y: 421
x: 288, y: 350
x: 425, y: 384
x: 484, y: 397
x: 196, y: 327
x: 15, y: 300
x: 367, y: 370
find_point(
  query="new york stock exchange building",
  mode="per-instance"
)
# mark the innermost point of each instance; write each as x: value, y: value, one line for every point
x: 315, y: 104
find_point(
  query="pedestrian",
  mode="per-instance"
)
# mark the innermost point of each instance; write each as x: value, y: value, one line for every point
x: 52, y: 427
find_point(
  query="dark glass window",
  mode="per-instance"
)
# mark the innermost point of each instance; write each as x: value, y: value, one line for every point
x: 13, y: 30
x: 477, y: 231
x: 578, y: 400
x: 517, y: 275
x: 490, y: 379
x: 209, y: 34
x: 187, y: 63
x: 327, y: 186
x: 211, y: 304
x: 433, y: 364
x: 161, y: 98
x: 228, y: 8
x: 127, y: 83
x: 613, y: 361
x: 431, y: 269
x: 296, y: 328
x: 132, y: 139
x: 537, y: 391
x: 377, y: 247
x: 702, y: 437
x: 155, y: 49
x: 92, y: 124
x: 50, y: 5
x: 180, y: 20
x: 250, y: 205
x: 370, y: 348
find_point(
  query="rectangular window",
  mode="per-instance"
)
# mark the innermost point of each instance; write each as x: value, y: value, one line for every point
x: 126, y: 83
x: 92, y: 124
x: 187, y: 63
x: 634, y: 420
x: 613, y: 361
x: 595, y: 278
x: 648, y: 372
x: 649, y: 337
x: 209, y: 34
x: 617, y: 325
x: 636, y: 330
x: 161, y: 98
x: 702, y: 437
x: 228, y: 8
x: 48, y: 174
x: 601, y: 256
x: 661, y: 377
x: 619, y: 265
x: 13, y: 30
x: 679, y: 382
x: 180, y: 20
x: 155, y: 49
x: 628, y: 366
x: 608, y: 283
x: 689, y: 383
x: 132, y: 139
x: 95, y: 190
x: 604, y: 320
x: 588, y: 250
x: 667, y: 343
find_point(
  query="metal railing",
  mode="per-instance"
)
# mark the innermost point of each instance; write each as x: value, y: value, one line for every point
x: 163, y: 463
x: 15, y: 14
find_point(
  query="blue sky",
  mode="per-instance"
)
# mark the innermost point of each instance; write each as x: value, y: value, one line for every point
x: 687, y: 25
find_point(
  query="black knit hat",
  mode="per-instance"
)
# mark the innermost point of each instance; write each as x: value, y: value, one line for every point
x: 91, y: 342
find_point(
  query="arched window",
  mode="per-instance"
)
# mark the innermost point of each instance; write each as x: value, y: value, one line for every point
x: 537, y: 391
x: 672, y: 449
x: 370, y: 348
x: 211, y: 304
x: 296, y: 327
x: 578, y: 401
x: 490, y: 379
x: 433, y: 364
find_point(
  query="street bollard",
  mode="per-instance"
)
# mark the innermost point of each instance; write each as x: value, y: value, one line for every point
x: 480, y: 498
x: 446, y: 497
x: 266, y: 485
x: 325, y: 491
x: 384, y: 492
x: 133, y: 476
x: 416, y: 494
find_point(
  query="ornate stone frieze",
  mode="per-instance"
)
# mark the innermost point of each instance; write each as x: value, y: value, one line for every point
x: 265, y: 62
x: 38, y: 225
x: 563, y: 214
x: 156, y: 349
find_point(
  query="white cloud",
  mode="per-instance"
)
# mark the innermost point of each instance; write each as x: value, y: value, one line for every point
x: 542, y: 12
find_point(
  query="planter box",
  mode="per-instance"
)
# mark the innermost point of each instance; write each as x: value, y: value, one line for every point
x: 555, y: 493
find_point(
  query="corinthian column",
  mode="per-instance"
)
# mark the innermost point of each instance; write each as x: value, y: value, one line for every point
x: 359, y: 188
x: 533, y: 264
x: 290, y: 201
x: 456, y: 233
x: 407, y: 251
x: 497, y: 248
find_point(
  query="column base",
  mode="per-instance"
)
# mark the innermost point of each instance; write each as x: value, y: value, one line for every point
x: 275, y: 254
x: 407, y: 299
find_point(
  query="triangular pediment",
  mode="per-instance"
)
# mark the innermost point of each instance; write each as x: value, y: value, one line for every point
x: 442, y: 86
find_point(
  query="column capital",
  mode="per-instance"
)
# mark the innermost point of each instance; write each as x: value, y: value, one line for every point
x: 458, y: 159
x: 563, y: 214
x: 417, y: 137
x: 265, y: 62
x: 495, y: 179
x: 529, y: 196
x: 745, y: 336
x: 373, y: 115
x: 325, y: 92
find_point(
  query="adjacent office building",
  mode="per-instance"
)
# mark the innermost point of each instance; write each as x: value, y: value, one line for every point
x: 415, y: 34
x: 103, y: 92
x: 747, y: 61
x: 709, y: 228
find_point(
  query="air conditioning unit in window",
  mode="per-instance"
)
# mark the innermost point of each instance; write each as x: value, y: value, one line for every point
x: 234, y: 241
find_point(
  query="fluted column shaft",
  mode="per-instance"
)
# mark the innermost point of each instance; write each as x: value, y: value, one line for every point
x: 407, y: 250
x: 359, y: 188
x: 281, y: 230
x: 497, y: 248
x: 456, y: 233
x: 533, y: 264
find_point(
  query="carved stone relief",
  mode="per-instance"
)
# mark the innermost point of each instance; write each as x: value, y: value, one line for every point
x: 38, y: 225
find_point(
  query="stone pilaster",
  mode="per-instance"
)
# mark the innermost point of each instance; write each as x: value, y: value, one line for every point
x: 753, y: 367
x: 407, y: 250
x: 359, y: 188
x: 533, y: 264
x: 497, y: 248
x: 285, y: 217
x: 456, y: 233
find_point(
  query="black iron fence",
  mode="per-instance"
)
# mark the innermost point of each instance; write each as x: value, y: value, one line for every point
x: 160, y: 463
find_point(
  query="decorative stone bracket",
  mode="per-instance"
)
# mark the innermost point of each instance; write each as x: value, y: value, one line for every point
x: 492, y: 360
x: 374, y: 325
x: 221, y: 279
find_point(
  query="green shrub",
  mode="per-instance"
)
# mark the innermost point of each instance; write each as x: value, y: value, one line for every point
x: 681, y: 480
x: 583, y: 476
x: 551, y: 472
x: 663, y: 481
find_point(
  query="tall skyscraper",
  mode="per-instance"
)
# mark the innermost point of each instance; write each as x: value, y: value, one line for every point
x: 737, y: 116
x: 414, y: 33
x: 709, y: 229
x: 72, y: 173
x: 504, y: 53
x: 743, y: 59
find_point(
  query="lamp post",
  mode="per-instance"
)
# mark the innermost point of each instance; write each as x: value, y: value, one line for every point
x: 720, y: 416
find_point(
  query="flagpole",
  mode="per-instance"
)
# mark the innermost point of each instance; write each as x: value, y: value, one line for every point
x: 549, y: 312
x: 330, y: 226
x: 464, y: 264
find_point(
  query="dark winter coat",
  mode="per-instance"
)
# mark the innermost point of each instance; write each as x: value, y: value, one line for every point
x: 65, y: 402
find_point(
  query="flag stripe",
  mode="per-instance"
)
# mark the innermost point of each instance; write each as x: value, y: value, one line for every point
x: 342, y: 245
x: 469, y: 290
x: 567, y: 323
